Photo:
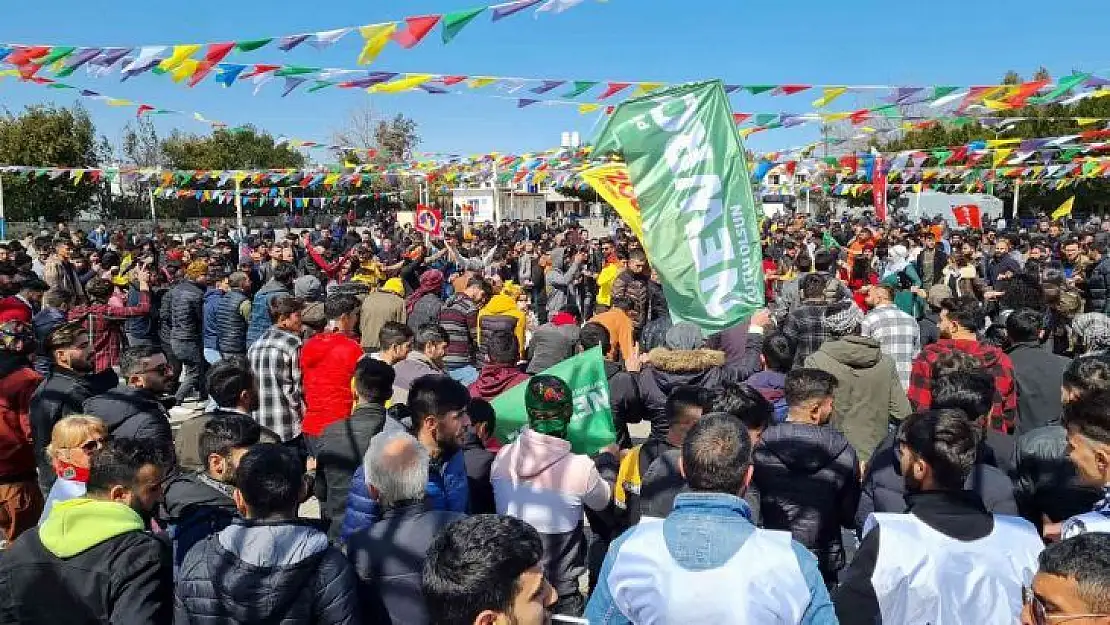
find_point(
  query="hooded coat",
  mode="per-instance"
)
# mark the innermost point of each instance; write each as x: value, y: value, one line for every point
x: 281, y: 572
x: 808, y: 479
x: 560, y: 280
x: 194, y: 507
x: 133, y: 413
x: 707, y: 368
x: 500, y: 315
x: 495, y: 379
x: 869, y: 395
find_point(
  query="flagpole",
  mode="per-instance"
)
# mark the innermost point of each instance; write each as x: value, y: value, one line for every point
x: 1017, y: 197
x: 238, y: 205
x: 3, y: 220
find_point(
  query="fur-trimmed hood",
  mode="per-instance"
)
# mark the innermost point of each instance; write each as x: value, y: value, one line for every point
x: 686, y: 360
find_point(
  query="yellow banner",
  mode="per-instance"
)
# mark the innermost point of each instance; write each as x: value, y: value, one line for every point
x: 613, y: 184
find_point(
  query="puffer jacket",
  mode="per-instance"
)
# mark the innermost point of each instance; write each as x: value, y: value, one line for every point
x: 260, y: 309
x: 808, y: 479
x: 868, y: 394
x: 884, y: 488
x: 328, y: 362
x: 187, y: 321
x: 339, y: 453
x: 636, y: 289
x: 194, y: 507
x: 447, y: 489
x: 551, y: 344
x: 1045, y: 481
x: 133, y: 413
x: 279, y: 572
x: 706, y: 368
x: 500, y: 315
x: 425, y: 311
x: 1098, y: 287
x: 212, y: 299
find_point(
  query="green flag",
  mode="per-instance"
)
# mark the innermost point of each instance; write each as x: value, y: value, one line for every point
x: 591, y: 427
x: 690, y: 175
x: 252, y: 45
x: 828, y: 241
x: 453, y: 23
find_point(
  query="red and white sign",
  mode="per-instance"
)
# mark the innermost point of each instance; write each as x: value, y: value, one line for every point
x: 878, y: 190
x: 968, y: 216
x: 429, y: 220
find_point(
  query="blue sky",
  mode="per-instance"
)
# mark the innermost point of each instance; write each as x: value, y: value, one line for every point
x: 956, y: 42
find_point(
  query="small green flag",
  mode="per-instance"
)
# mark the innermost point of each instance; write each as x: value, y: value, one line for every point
x: 828, y: 241
x: 252, y: 45
x: 453, y: 23
x: 580, y: 87
x: 591, y: 427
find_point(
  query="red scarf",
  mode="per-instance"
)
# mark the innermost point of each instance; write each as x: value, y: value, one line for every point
x: 564, y: 319
x: 71, y: 472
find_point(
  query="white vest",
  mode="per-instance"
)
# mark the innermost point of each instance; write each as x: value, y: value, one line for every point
x: 1084, y: 524
x: 923, y: 576
x: 761, y: 584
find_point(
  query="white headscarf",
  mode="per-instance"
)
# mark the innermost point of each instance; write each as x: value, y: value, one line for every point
x: 896, y: 260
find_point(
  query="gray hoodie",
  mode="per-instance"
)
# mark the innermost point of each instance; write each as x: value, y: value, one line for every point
x: 869, y: 395
x: 560, y: 280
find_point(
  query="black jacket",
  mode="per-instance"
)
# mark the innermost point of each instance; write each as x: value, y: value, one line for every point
x: 388, y: 558
x: 884, y: 488
x: 1098, y: 287
x: 279, y: 573
x: 233, y: 327
x: 808, y: 481
x: 339, y: 452
x: 133, y: 413
x: 940, y: 259
x: 123, y: 580
x: 960, y: 515
x: 194, y: 507
x: 1038, y: 374
x: 929, y: 325
x: 1045, y: 481
x: 187, y: 315
x: 61, y: 394
x: 624, y: 398
x: 479, y: 461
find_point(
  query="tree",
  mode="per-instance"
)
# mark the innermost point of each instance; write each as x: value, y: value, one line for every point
x: 359, y: 131
x: 239, y: 148
x: 47, y: 136
x: 141, y: 144
x: 396, y: 138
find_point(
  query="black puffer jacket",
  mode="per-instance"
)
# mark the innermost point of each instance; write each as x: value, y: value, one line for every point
x: 133, y: 413
x: 187, y: 320
x: 808, y: 481
x: 1045, y: 481
x: 339, y: 453
x: 61, y: 394
x: 281, y: 573
x: 884, y: 488
x: 195, y: 506
x: 1098, y: 287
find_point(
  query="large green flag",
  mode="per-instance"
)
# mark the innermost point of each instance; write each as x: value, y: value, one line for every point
x: 591, y: 427
x: 701, y: 227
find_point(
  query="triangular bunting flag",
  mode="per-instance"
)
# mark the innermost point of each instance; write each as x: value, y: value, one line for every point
x: 376, y: 37
x: 409, y: 82
x: 416, y: 29
x: 289, y: 42
x: 830, y: 94
x: 454, y: 22
x: 613, y: 88
x: 523, y: 102
x: 180, y: 53
x: 506, y: 9
x: 327, y: 38
x: 580, y: 87
x: 252, y: 44
x: 548, y: 85
x: 588, y: 108
x: 480, y: 81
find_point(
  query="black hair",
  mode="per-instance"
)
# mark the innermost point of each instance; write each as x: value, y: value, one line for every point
x: 336, y: 306
x: 716, y: 455
x: 804, y: 385
x: 637, y: 254
x: 131, y: 358
x: 746, y: 404
x: 1024, y: 325
x: 684, y: 397
x: 284, y: 306
x: 285, y: 273
x: 1090, y: 417
x: 475, y: 564
x: 1024, y: 290
x: 374, y: 380
x: 778, y: 352
x: 270, y: 478
x: 481, y: 283
x: 227, y: 379
x: 502, y: 348
x: 1086, y: 559
x: 118, y: 463
x: 967, y: 312
x: 481, y: 411
x: 594, y: 334
x: 824, y: 260
x: 969, y: 391
x: 224, y: 432
x: 1088, y: 374
x: 393, y: 334
x: 812, y: 286
x: 430, y: 333
x: 436, y: 395
x: 946, y: 440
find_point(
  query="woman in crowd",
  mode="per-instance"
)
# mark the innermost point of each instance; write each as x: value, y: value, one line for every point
x: 73, y: 439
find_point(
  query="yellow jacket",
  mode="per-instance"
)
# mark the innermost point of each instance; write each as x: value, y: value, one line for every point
x: 605, y: 283
x: 502, y: 305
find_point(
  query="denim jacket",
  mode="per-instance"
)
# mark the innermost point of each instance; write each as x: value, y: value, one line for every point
x: 757, y: 579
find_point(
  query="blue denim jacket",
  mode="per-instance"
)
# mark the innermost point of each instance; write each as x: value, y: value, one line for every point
x: 705, y: 531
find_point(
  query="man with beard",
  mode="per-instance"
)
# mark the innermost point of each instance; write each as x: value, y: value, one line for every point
x: 199, y: 504
x: 948, y: 559
x: 101, y: 560
x: 440, y: 422
x: 65, y: 389
x: 134, y: 410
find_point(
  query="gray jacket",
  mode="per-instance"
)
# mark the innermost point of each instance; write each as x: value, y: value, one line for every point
x: 560, y: 279
x: 550, y: 345
x: 414, y: 366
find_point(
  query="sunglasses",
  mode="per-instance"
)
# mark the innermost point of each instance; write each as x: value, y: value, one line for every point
x: 1040, y: 612
x: 92, y: 445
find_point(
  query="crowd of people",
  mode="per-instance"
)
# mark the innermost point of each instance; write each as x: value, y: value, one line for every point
x: 915, y: 430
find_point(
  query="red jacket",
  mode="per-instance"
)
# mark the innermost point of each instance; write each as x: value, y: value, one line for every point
x: 15, y: 309
x: 17, y: 456
x: 328, y: 363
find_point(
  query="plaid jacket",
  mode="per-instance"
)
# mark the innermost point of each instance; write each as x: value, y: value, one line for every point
x: 276, y: 361
x: 1003, y: 414
x: 105, y: 325
x: 806, y: 328
x: 898, y: 335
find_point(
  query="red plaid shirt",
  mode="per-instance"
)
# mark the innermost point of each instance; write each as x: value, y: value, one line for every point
x: 1004, y: 409
x: 103, y: 321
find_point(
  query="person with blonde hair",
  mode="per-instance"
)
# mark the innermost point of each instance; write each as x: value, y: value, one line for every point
x: 72, y: 441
